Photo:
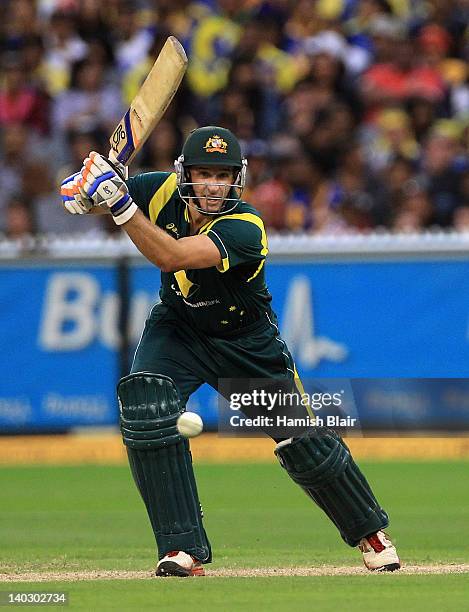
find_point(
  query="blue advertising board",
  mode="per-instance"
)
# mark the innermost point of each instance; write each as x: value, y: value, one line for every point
x: 373, y: 319
x: 58, y: 358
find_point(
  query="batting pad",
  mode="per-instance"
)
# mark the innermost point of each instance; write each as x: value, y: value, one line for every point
x: 322, y: 465
x: 161, y: 463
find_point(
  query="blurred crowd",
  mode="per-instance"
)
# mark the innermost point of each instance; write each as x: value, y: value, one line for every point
x: 354, y: 114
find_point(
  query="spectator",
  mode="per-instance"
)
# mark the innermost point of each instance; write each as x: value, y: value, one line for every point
x: 79, y: 143
x: 461, y: 219
x: 10, y: 179
x: 134, y: 37
x: 402, y: 78
x: 19, y: 219
x: 271, y: 198
x: 389, y: 183
x: 93, y: 24
x: 278, y: 69
x: 331, y: 133
x: 306, y: 195
x: 329, y: 61
x: 464, y: 187
x: 422, y: 114
x: 20, y: 101
x: 180, y: 17
x: 260, y: 164
x: 303, y: 21
x: 301, y: 107
x: 442, y: 170
x: 162, y: 148
x: 63, y: 48
x: 434, y: 46
x: 21, y: 169
x: 32, y: 53
x: 356, y: 193
x: 384, y: 30
x: 392, y: 138
x: 135, y: 75
x: 51, y: 218
x: 266, y: 185
x: 20, y: 21
x: 330, y: 43
x: 414, y: 211
x: 90, y: 103
x: 259, y: 101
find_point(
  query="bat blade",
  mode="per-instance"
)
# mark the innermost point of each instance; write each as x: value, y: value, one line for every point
x: 150, y: 103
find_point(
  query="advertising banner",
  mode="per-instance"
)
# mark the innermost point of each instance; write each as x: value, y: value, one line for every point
x: 59, y: 332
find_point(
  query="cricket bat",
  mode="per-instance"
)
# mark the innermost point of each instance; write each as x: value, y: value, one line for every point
x: 150, y: 103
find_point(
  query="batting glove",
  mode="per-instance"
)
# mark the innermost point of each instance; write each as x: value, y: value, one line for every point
x: 103, y: 184
x: 74, y: 199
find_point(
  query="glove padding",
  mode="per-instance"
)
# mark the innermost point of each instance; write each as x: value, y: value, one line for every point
x: 103, y: 184
x: 74, y: 199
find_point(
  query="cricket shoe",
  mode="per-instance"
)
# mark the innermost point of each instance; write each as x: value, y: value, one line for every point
x: 379, y: 553
x: 179, y: 563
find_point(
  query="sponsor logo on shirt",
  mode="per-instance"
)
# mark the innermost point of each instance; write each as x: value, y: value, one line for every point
x: 172, y: 228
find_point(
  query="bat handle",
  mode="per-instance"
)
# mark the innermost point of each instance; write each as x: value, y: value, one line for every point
x: 124, y: 170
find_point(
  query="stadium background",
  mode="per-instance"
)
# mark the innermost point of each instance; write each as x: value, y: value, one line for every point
x: 355, y: 118
x: 354, y: 114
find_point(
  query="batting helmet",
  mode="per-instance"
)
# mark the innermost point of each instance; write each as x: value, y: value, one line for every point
x: 211, y: 146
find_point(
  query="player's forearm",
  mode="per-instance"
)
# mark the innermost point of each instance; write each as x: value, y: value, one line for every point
x: 101, y: 183
x: 155, y: 244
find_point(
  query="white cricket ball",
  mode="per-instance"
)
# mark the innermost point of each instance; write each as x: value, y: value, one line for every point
x: 189, y: 424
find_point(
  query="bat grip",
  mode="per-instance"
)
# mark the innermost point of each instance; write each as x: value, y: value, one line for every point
x: 122, y: 171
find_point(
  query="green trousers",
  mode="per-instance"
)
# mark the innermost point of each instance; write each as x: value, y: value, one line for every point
x: 190, y: 358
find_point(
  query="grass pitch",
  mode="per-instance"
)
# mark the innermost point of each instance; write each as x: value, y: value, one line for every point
x: 63, y: 521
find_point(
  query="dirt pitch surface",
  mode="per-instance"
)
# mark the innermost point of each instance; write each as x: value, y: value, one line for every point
x: 71, y: 449
x: 262, y: 572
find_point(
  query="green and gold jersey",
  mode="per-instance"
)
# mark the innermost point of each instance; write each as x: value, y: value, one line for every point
x: 219, y: 300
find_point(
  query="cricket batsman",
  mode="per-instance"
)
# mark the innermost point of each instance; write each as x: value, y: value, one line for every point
x: 214, y: 321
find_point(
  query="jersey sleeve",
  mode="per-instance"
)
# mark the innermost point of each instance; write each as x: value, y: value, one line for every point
x: 241, y: 239
x: 152, y: 191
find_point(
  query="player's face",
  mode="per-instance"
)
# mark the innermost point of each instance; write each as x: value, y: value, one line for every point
x: 213, y: 185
